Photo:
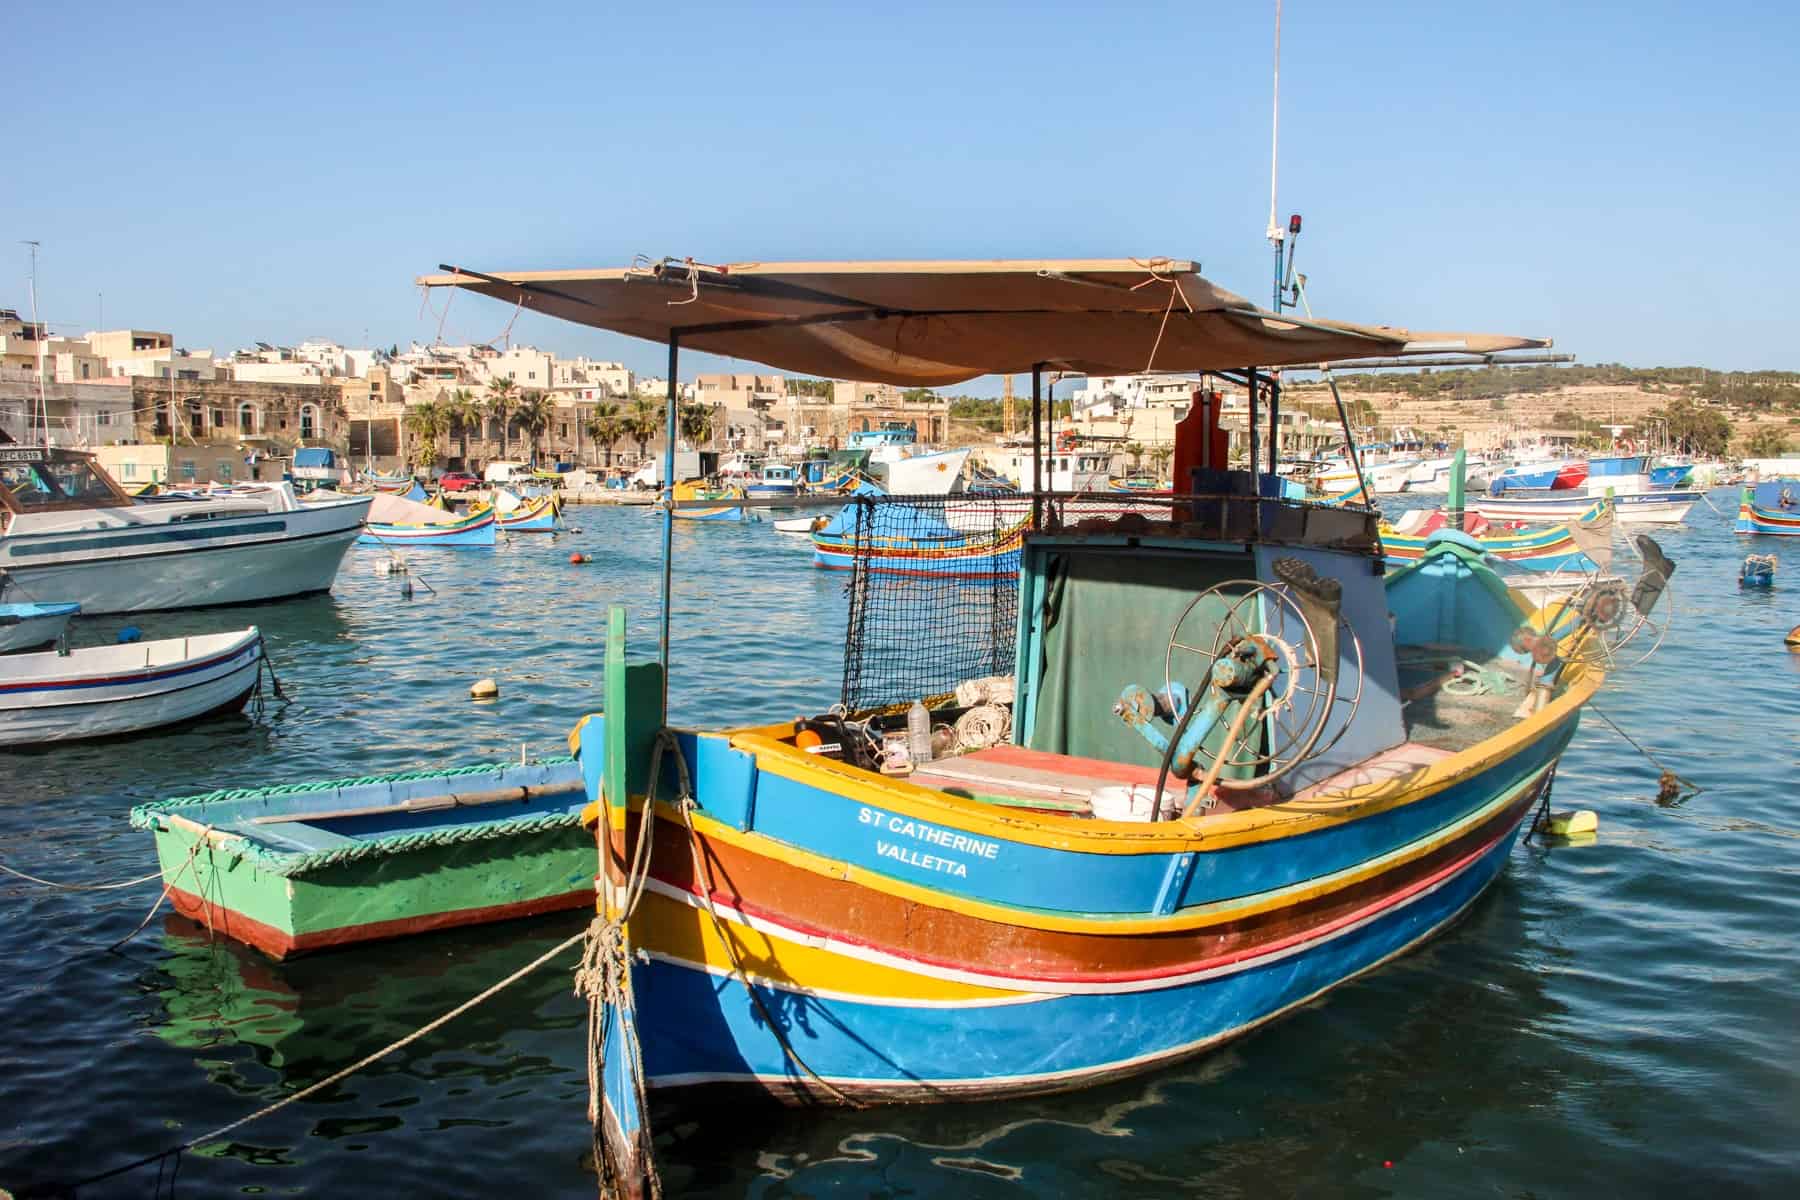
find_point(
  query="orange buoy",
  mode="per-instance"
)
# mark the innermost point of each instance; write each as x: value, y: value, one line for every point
x: 578, y: 558
x: 806, y: 739
x: 1793, y: 637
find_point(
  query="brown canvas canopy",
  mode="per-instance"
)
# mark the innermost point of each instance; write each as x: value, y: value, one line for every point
x: 935, y: 323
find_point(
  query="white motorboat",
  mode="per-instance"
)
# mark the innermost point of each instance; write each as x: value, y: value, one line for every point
x: 102, y: 691
x: 23, y: 626
x: 68, y: 532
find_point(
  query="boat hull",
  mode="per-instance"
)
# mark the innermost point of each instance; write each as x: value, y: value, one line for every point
x: 72, y: 705
x: 242, y: 560
x: 476, y: 531
x: 420, y: 873
x: 1753, y: 518
x: 1632, y: 508
x: 24, y: 626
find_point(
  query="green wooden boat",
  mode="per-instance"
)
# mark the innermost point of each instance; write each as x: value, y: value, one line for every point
x: 304, y: 867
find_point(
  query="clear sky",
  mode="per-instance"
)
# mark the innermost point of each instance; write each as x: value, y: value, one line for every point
x: 1621, y: 176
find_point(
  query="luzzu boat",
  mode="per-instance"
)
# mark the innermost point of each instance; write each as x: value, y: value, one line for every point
x: 1543, y: 547
x: 475, y: 528
x: 691, y: 503
x: 541, y: 514
x: 1770, y: 508
x: 69, y: 533
x: 920, y: 540
x: 786, y: 915
x: 1621, y: 477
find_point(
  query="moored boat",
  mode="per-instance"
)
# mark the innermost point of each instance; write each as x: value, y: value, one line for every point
x: 541, y: 514
x: 1543, y: 547
x: 774, y: 481
x: 68, y: 531
x: 793, y: 916
x: 692, y: 497
x: 1771, y: 508
x: 1758, y: 571
x: 296, y: 868
x: 475, y: 528
x: 104, y: 691
x: 24, y: 626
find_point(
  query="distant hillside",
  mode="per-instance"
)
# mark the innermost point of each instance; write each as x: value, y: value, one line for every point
x: 1711, y: 409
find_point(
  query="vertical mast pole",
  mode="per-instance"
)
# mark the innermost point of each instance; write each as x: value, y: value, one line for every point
x: 1274, y: 423
x: 668, y: 538
x: 1037, y: 443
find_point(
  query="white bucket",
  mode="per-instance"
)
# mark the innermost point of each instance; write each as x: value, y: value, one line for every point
x: 1132, y: 803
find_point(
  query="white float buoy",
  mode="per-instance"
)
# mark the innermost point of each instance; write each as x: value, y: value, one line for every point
x: 484, y: 689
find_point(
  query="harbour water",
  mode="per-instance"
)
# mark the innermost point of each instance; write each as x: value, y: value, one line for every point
x: 1613, y: 1018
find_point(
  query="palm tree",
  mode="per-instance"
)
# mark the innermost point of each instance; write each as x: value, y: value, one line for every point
x: 606, y: 427
x: 463, y: 411
x: 696, y: 423
x: 534, y: 413
x: 1160, y: 456
x: 502, y: 394
x: 1136, y: 451
x: 425, y: 421
x: 642, y: 424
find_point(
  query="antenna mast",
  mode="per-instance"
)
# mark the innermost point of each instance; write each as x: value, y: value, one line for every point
x: 38, y: 336
x: 1275, y: 233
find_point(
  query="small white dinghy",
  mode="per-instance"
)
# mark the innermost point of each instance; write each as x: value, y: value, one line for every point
x: 23, y: 626
x: 101, y: 691
x: 800, y: 525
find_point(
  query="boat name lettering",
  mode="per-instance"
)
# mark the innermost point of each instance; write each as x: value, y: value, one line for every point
x: 947, y: 838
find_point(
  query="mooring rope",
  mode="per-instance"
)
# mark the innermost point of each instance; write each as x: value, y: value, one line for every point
x: 83, y: 887
x: 1670, y: 783
x: 193, y: 852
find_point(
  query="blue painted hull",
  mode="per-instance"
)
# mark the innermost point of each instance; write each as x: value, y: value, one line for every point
x: 698, y: 1029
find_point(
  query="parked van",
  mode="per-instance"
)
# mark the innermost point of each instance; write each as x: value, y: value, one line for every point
x: 506, y: 472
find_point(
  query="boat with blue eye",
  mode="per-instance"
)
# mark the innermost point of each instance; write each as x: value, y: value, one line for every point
x: 698, y: 500
x: 1192, y: 765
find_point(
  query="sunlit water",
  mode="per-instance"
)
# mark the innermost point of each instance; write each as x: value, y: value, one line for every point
x: 1616, y: 1018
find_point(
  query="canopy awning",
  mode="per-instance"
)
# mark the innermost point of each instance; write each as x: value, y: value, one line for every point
x: 927, y: 324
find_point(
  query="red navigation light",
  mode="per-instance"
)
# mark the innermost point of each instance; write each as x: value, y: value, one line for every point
x: 1294, y: 224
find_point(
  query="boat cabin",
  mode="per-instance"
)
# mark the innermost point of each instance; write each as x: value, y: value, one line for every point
x: 38, y: 479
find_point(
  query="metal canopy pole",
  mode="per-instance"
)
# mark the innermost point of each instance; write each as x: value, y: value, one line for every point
x: 1037, y: 444
x: 1255, y: 445
x: 668, y: 538
x: 1274, y: 423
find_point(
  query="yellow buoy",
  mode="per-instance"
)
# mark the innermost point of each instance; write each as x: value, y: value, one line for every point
x: 1793, y: 637
x: 1573, y: 824
x: 484, y: 689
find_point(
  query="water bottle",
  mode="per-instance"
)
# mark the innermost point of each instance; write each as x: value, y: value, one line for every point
x: 918, y: 732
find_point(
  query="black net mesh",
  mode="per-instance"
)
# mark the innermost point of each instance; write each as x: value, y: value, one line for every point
x: 934, y: 580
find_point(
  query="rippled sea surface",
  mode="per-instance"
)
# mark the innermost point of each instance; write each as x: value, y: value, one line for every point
x: 1615, y: 1018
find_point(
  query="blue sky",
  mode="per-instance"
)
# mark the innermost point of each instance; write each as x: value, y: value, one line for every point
x: 1619, y: 176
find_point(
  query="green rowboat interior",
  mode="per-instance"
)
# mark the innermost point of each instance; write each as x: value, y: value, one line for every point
x: 304, y: 867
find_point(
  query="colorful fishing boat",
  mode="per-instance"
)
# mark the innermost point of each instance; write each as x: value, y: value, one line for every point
x: 399, y: 482
x: 1557, y: 474
x: 788, y: 914
x: 106, y: 691
x: 476, y: 528
x: 541, y: 514
x: 1770, y: 508
x: 416, y: 493
x: 693, y: 499
x: 1542, y: 547
x: 303, y: 867
x: 1623, y: 478
x: 921, y: 540
x: 25, y: 626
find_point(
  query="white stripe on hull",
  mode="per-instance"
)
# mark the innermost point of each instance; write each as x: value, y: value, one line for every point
x: 128, y: 706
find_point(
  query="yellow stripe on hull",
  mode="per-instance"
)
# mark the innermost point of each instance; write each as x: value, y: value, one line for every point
x: 677, y: 930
